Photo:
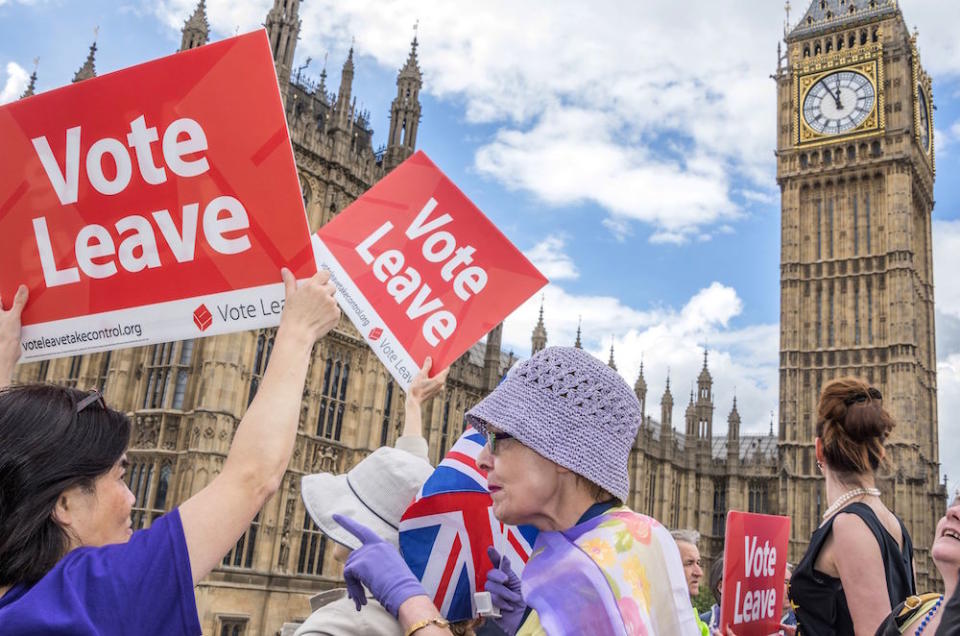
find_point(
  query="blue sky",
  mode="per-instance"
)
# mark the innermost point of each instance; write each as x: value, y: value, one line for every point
x: 626, y: 147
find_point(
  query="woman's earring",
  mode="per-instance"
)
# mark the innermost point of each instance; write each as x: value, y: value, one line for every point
x: 820, y: 467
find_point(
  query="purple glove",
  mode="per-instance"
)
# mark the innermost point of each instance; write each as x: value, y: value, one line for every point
x: 377, y: 565
x: 504, y: 587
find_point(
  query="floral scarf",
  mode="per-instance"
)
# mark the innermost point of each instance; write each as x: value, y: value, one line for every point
x: 617, y: 574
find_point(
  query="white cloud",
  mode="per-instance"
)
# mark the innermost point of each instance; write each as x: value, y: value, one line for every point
x: 742, y: 360
x: 948, y: 404
x: 16, y: 83
x: 551, y: 260
x: 937, y: 24
x: 946, y: 261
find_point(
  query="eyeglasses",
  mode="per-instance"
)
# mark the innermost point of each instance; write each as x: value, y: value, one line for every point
x: 872, y: 393
x: 94, y: 397
x: 493, y: 438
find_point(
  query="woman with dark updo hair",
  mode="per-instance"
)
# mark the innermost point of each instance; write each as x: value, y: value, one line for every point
x: 70, y: 563
x: 859, y: 563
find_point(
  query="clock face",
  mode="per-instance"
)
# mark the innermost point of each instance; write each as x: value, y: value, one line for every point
x: 838, y: 102
x: 924, y: 120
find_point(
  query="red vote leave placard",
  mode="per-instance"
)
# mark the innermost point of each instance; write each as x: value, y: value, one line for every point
x: 754, y: 565
x: 420, y: 270
x: 151, y: 204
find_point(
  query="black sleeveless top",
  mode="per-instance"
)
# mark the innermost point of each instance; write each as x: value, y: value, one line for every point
x: 821, y: 605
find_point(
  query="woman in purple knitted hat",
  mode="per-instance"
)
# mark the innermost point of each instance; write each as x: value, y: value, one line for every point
x: 559, y: 431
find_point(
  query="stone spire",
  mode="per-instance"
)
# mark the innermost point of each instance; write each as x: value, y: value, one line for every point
x: 576, y: 343
x: 491, y: 358
x: 610, y: 362
x: 539, y: 338
x: 196, y: 29
x: 666, y: 407
x: 405, y: 111
x: 32, y: 86
x: 283, y: 28
x: 322, y: 89
x: 733, y: 434
x: 88, y: 69
x: 690, y: 415
x: 346, y: 83
x: 640, y: 389
x: 704, y: 411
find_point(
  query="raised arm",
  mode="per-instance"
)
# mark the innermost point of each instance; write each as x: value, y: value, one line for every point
x: 10, y: 335
x: 214, y: 518
x: 422, y: 389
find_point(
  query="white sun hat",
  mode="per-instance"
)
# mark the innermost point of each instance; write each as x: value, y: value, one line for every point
x: 375, y: 492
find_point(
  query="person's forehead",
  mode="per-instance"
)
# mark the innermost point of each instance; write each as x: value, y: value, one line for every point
x: 688, y: 549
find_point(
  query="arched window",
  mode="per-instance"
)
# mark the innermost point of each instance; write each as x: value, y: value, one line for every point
x: 313, y: 547
x: 307, y: 194
x: 387, y: 407
x: 241, y: 556
x: 261, y: 358
x: 333, y: 395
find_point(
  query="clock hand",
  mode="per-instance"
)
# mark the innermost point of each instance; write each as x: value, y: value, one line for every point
x: 839, y: 103
x: 836, y: 98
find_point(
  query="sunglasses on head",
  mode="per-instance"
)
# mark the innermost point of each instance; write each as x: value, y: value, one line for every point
x: 871, y: 393
x: 93, y: 397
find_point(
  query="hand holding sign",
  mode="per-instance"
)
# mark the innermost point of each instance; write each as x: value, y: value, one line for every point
x: 311, y: 308
x: 10, y: 334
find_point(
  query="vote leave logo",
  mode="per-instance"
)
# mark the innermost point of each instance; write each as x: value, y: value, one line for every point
x: 375, y: 334
x: 202, y: 317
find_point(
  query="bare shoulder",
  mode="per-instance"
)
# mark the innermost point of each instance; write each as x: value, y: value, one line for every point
x: 853, y: 538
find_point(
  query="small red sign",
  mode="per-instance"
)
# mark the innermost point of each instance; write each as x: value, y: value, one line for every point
x: 375, y: 334
x: 754, y: 565
x: 202, y: 317
x: 128, y: 199
x: 415, y: 255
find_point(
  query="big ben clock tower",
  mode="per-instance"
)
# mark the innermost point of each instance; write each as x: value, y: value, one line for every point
x: 855, y: 164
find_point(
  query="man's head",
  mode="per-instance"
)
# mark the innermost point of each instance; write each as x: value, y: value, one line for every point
x: 786, y: 587
x: 690, y: 557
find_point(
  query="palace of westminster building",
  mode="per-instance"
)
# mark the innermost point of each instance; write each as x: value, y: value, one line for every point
x: 856, y: 297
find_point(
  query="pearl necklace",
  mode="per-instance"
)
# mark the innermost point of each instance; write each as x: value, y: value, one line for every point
x: 928, y: 617
x: 847, y: 496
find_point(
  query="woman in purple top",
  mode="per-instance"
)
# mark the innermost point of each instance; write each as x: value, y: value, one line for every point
x: 69, y: 561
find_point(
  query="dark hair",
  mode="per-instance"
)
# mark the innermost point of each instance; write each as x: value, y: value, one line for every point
x: 46, y: 447
x: 853, y: 425
x: 716, y: 577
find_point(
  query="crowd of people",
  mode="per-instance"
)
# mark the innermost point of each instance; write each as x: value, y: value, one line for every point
x: 556, y: 438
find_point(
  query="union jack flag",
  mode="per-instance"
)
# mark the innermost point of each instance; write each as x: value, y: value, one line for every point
x: 445, y: 533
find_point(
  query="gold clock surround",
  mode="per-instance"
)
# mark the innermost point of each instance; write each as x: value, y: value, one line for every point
x: 872, y: 69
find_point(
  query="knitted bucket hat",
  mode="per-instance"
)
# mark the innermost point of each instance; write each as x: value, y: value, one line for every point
x: 572, y: 409
x: 375, y: 492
